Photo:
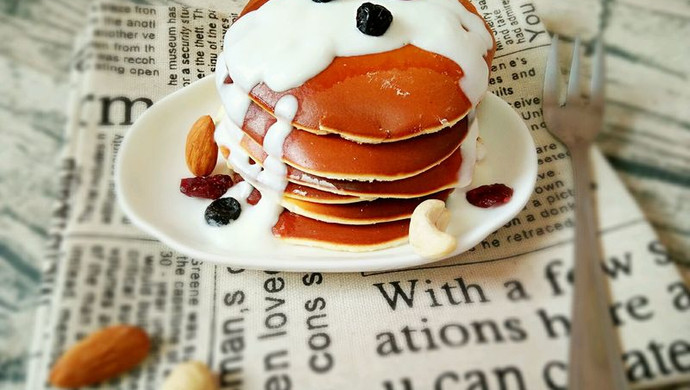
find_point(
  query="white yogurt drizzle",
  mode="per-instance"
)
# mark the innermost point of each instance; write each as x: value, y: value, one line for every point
x: 253, y: 225
x: 255, y: 222
x: 469, y: 153
x: 274, y: 174
x: 235, y: 100
x: 312, y: 34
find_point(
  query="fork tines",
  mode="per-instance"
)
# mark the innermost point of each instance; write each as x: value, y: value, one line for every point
x: 552, y: 80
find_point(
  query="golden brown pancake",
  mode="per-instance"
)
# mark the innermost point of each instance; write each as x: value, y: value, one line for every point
x: 380, y: 97
x: 335, y: 157
x: 360, y: 213
x: 300, y: 192
x: 306, y: 231
x: 438, y: 178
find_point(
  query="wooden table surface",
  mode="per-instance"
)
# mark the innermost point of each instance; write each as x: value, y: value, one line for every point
x: 646, y: 137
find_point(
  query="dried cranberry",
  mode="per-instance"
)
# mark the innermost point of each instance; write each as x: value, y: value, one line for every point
x: 236, y: 178
x: 222, y: 211
x: 254, y: 197
x: 490, y: 195
x: 373, y: 19
x: 228, y: 80
x: 208, y: 187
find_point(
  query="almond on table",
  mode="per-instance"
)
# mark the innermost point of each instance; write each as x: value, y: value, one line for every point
x: 102, y: 355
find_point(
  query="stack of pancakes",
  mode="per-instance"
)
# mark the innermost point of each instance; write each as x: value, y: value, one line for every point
x: 373, y: 136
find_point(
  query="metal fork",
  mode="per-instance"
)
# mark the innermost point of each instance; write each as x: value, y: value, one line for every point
x: 595, y: 357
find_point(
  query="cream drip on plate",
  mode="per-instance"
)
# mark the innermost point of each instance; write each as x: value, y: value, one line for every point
x: 271, y: 179
x: 286, y: 42
x: 255, y: 222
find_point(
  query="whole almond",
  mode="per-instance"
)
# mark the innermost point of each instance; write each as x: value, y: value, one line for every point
x: 190, y: 375
x: 101, y: 356
x: 201, y: 151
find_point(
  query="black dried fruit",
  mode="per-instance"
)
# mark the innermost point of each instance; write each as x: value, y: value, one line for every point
x: 373, y: 19
x: 222, y: 211
x: 321, y: 1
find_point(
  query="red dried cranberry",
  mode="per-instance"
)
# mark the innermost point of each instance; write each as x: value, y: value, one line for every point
x: 254, y: 197
x: 228, y: 80
x: 236, y: 178
x: 208, y: 187
x: 490, y: 195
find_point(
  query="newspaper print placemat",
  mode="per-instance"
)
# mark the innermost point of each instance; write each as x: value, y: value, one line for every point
x: 495, y: 317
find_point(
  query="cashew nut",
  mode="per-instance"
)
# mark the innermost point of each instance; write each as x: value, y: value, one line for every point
x: 427, y: 229
x: 191, y: 375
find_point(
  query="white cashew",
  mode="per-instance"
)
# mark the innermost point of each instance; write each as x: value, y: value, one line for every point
x: 190, y: 375
x: 427, y: 229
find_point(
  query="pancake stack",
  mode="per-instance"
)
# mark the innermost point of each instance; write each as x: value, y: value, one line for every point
x: 358, y: 146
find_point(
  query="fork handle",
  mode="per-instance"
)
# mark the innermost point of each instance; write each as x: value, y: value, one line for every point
x: 595, y: 358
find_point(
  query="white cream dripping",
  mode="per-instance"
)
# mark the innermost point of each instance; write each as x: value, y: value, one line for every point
x: 312, y: 34
x: 274, y: 174
x: 255, y: 222
x: 468, y: 149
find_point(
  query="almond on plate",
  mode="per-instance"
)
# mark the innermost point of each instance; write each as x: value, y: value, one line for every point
x: 201, y: 151
x: 101, y: 356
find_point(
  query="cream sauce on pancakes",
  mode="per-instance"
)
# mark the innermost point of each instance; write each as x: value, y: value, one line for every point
x: 274, y: 174
x: 287, y: 42
x: 256, y: 222
x: 312, y: 34
x: 469, y: 153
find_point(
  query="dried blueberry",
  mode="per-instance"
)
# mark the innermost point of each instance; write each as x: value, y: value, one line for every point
x: 373, y: 19
x: 222, y: 211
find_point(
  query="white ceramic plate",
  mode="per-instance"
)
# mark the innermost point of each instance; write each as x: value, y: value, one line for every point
x: 151, y: 163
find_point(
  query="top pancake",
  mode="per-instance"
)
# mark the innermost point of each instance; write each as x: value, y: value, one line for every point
x: 380, y: 97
